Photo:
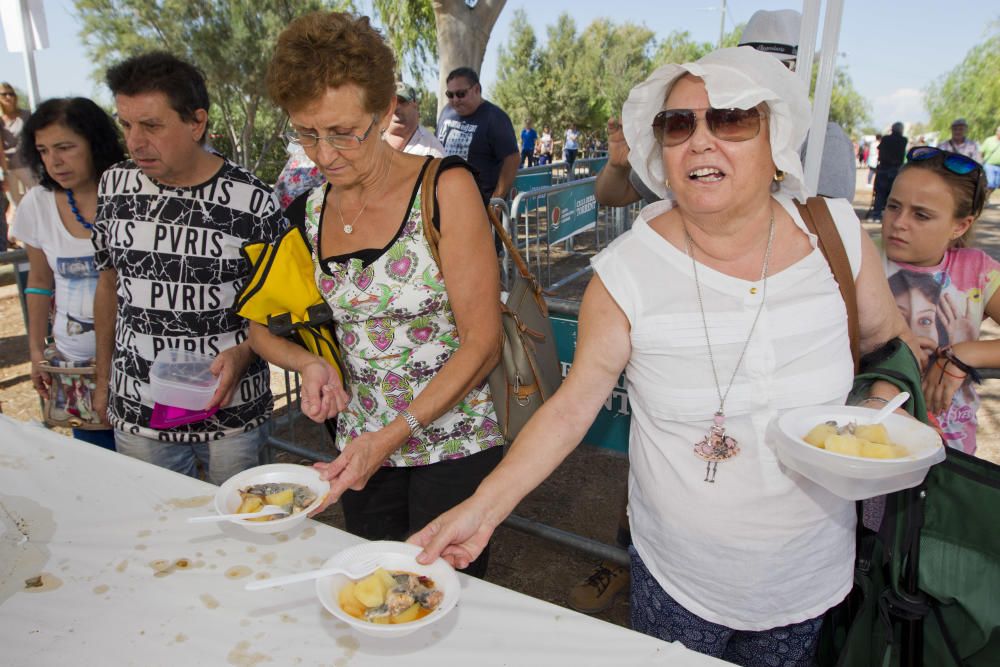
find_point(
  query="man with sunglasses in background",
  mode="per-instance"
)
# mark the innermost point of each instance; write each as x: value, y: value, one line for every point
x: 480, y: 132
x: 171, y: 223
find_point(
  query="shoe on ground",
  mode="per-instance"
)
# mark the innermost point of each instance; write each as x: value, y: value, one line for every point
x: 600, y: 589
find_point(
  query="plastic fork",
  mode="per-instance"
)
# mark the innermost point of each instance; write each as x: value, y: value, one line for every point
x: 354, y: 571
x: 267, y: 510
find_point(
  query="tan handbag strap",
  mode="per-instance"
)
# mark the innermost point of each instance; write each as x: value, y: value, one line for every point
x: 816, y: 215
x: 427, y: 210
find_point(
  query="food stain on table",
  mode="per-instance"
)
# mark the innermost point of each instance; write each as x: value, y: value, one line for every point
x: 307, y: 533
x: 144, y: 533
x: 208, y: 601
x: 13, y: 462
x: 281, y: 537
x: 288, y: 618
x: 262, y: 575
x: 188, y: 503
x: 350, y: 644
x: 43, y: 582
x: 268, y: 559
x: 251, y: 549
x: 162, y: 568
x: 121, y: 566
x: 140, y: 547
x: 238, y: 572
x: 241, y: 656
x: 101, y: 589
x: 180, y: 638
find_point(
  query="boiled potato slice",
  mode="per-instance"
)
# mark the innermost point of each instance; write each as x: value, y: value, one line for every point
x: 877, y: 450
x: 349, y: 603
x: 381, y: 620
x: 408, y: 615
x: 286, y: 497
x: 388, y: 582
x: 873, y: 433
x: 819, y: 433
x: 370, y: 591
x: 250, y: 504
x: 843, y: 444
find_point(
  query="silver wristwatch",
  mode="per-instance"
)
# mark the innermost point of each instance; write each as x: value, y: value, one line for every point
x: 415, y: 427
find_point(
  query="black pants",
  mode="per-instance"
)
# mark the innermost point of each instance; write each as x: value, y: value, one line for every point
x: 397, y: 502
x: 884, y: 178
x: 529, y: 155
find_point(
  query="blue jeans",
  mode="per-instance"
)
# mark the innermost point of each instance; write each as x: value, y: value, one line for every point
x: 102, y: 438
x: 220, y: 459
x: 993, y: 177
x: 657, y: 614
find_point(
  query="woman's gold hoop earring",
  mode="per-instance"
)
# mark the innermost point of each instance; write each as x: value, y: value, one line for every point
x: 779, y: 176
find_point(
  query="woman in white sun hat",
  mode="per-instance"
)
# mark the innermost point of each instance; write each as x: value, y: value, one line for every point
x: 723, y: 312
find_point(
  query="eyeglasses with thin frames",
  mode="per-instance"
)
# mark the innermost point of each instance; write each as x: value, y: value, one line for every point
x: 342, y: 142
x: 460, y: 94
x: 8, y: 94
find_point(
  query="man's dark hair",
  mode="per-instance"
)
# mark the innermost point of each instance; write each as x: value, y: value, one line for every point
x: 466, y: 73
x: 162, y: 72
x: 81, y: 116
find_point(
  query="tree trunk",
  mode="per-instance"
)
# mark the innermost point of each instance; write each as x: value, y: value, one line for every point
x: 462, y: 36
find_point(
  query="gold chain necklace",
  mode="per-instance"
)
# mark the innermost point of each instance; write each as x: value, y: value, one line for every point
x: 349, y: 229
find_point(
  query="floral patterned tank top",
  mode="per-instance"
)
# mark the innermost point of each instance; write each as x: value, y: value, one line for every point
x: 397, y: 329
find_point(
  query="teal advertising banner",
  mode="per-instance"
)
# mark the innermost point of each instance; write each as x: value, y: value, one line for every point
x: 610, y: 428
x: 532, y: 181
x: 571, y: 211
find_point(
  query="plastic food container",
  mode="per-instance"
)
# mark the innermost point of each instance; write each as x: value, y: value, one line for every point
x: 852, y: 477
x: 182, y: 379
x: 227, y: 498
x: 398, y: 556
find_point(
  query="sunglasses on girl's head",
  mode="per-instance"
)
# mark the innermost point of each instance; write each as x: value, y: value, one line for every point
x: 673, y: 127
x: 460, y: 94
x: 956, y: 163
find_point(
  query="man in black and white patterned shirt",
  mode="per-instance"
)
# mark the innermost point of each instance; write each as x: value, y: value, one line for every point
x: 169, y: 228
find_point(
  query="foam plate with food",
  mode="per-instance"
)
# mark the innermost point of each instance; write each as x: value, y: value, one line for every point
x: 296, y: 489
x: 856, y: 462
x: 399, y: 598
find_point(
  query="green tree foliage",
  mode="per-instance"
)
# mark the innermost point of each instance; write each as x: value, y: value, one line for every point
x: 411, y: 32
x: 971, y: 90
x: 586, y: 77
x: 230, y: 40
x: 576, y: 77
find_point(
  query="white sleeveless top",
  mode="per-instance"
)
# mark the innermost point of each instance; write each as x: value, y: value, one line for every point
x: 762, y: 547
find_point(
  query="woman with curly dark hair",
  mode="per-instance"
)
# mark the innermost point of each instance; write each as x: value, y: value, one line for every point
x: 67, y: 143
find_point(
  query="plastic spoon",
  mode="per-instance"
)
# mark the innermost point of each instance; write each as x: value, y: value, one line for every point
x: 268, y: 510
x: 353, y: 571
x: 890, y: 407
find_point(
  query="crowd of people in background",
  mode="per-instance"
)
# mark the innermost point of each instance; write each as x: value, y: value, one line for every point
x: 133, y: 256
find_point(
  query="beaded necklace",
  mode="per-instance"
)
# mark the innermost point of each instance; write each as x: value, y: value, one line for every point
x: 76, y: 211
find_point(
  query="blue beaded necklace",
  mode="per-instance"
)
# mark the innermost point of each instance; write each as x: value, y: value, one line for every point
x: 76, y: 211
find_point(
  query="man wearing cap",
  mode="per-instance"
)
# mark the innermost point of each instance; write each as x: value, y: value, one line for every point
x: 774, y: 32
x: 479, y: 132
x: 959, y: 143
x: 891, y: 151
x: 404, y: 132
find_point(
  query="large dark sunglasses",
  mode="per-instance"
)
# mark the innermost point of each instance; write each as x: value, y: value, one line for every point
x: 956, y: 163
x: 460, y: 94
x: 673, y: 127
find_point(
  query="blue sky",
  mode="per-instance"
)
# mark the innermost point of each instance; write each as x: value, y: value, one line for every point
x: 891, y: 48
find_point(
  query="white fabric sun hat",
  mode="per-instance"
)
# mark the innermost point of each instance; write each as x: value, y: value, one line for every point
x: 739, y: 78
